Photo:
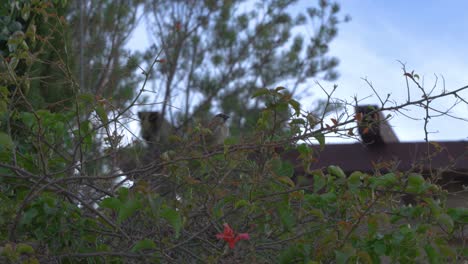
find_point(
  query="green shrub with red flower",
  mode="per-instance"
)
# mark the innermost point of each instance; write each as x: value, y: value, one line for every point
x: 236, y: 203
x: 241, y: 203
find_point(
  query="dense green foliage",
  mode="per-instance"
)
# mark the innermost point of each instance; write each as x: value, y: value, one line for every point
x: 65, y: 196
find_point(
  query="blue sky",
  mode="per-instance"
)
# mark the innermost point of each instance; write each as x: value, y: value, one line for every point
x: 431, y: 37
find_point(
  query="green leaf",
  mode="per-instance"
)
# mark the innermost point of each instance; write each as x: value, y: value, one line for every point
x: 283, y: 168
x: 155, y: 205
x: 231, y: 141
x: 29, y: 216
x: 459, y: 215
x: 128, y: 209
x: 445, y: 249
x: 286, y: 180
x: 319, y: 182
x: 364, y: 257
x: 122, y: 193
x: 241, y: 203
x: 336, y: 171
x: 386, y: 180
x: 464, y: 252
x: 111, y: 203
x: 14, y: 61
x: 354, y: 181
x: 279, y: 88
x: 260, y: 92
x: 281, y: 107
x: 297, y: 121
x: 320, y: 138
x: 341, y: 257
x: 432, y: 254
x: 389, y: 179
x: 436, y: 210
x: 292, y: 254
x: 5, y: 141
x: 287, y: 217
x: 446, y: 221
x: 379, y: 247
x: 28, y: 119
x: 4, y: 98
x: 102, y: 114
x: 304, y: 150
x: 372, y: 224
x: 174, y: 219
x: 296, y: 106
x: 143, y: 244
x: 22, y: 248
x: 415, y: 184
x: 328, y: 198
x: 317, y: 213
x: 86, y: 97
x: 218, y: 209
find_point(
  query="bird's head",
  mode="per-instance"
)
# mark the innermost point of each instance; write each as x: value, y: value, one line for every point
x: 223, y: 116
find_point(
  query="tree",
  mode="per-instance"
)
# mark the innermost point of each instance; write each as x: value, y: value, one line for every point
x: 41, y: 44
x: 101, y: 30
x: 108, y: 68
x: 219, y: 52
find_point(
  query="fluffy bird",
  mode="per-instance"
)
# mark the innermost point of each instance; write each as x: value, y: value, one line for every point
x: 219, y: 130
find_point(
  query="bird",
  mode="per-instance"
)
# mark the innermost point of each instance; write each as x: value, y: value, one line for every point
x: 218, y: 130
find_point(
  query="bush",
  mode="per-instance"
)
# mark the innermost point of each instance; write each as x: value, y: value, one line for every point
x: 71, y: 193
x: 57, y: 212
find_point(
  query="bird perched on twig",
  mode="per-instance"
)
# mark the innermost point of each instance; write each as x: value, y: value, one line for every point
x: 218, y: 130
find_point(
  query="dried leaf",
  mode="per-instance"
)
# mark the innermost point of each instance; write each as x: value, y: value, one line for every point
x: 335, y: 122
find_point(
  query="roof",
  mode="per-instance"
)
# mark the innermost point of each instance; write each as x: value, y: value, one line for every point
x: 418, y: 156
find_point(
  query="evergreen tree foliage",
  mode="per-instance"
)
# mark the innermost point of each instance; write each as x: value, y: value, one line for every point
x: 220, y: 52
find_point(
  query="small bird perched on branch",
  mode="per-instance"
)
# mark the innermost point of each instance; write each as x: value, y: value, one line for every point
x: 218, y: 130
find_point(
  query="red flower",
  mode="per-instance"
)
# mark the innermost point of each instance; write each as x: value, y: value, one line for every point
x: 229, y: 236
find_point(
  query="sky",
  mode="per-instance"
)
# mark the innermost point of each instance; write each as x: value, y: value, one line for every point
x: 429, y: 36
